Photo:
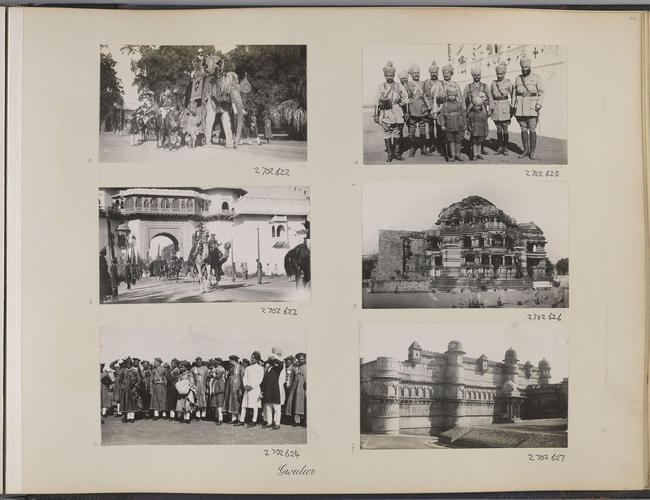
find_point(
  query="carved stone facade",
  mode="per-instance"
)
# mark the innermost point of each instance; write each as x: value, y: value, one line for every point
x: 431, y: 392
x: 473, y: 245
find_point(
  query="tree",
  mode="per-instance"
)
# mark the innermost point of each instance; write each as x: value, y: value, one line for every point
x: 562, y: 266
x: 111, y: 92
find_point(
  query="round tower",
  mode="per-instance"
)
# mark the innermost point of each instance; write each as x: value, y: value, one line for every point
x: 510, y: 367
x: 415, y: 352
x: 383, y: 409
x: 454, y: 382
x: 544, y: 372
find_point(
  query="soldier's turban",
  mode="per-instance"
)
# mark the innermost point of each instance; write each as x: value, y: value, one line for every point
x: 433, y: 68
x: 414, y: 68
x: 389, y: 69
x: 449, y: 68
x: 502, y: 66
x: 403, y: 74
x: 524, y: 61
x: 475, y: 70
x: 277, y: 351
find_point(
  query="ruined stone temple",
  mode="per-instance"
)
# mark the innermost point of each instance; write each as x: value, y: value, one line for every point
x: 472, y: 246
x: 431, y: 392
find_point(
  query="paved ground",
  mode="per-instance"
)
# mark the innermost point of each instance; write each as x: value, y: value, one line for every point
x: 543, y: 298
x: 117, y: 148
x: 152, y: 290
x: 550, y: 432
x: 550, y: 151
x: 164, y: 432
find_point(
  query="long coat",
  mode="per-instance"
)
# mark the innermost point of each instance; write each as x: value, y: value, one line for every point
x: 172, y: 395
x: 129, y: 393
x: 107, y: 394
x: 159, y: 389
x: 201, y: 376
x: 272, y: 389
x: 217, y: 387
x: 253, y: 377
x: 297, y: 398
x: 234, y: 390
x: 105, y: 287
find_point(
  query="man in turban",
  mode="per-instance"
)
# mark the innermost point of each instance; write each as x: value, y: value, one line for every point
x: 273, y: 389
x: 501, y: 91
x: 476, y: 88
x: 431, y: 87
x: 297, y: 397
x: 252, y: 393
x: 419, y: 108
x: 527, y: 100
x: 391, y: 96
x: 200, y: 373
x: 442, y: 96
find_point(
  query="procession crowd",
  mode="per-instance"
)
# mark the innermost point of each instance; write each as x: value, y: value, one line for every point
x: 223, y: 391
x: 438, y: 115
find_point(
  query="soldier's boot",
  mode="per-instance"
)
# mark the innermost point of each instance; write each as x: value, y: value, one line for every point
x: 424, y: 148
x: 499, y: 143
x: 533, y: 144
x: 504, y: 148
x: 389, y: 151
x: 524, y: 142
x: 397, y: 154
x: 413, y: 145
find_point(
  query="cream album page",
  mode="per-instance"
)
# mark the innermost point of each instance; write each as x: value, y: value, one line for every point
x: 384, y: 201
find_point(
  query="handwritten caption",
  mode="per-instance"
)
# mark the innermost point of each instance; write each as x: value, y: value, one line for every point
x: 286, y: 470
x: 277, y: 172
x: 279, y: 311
x: 545, y: 317
x: 545, y: 457
x: 542, y: 173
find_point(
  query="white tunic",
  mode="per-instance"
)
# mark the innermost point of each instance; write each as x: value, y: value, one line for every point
x: 253, y: 376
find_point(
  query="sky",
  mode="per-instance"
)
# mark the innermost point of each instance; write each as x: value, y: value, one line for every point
x: 415, y: 207
x: 531, y: 341
x: 123, y: 68
x: 148, y: 343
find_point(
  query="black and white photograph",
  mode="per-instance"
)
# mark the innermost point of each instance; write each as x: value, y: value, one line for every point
x: 428, y: 386
x: 465, y: 245
x: 203, y: 103
x: 210, y: 244
x: 203, y: 385
x: 483, y: 103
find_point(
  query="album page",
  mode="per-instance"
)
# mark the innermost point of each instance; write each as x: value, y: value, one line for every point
x: 209, y: 207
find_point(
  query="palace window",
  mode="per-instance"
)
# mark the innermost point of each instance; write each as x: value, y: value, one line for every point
x: 146, y: 204
x: 164, y: 204
x: 175, y: 204
x: 225, y: 206
x: 154, y: 204
x: 467, y: 242
x: 183, y: 205
x: 138, y: 203
x: 129, y: 203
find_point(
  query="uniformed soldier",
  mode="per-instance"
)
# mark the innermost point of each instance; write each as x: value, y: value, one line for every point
x: 527, y: 100
x: 199, y: 66
x: 501, y: 91
x: 391, y: 96
x: 442, y: 96
x: 477, y: 88
x: 404, y: 145
x: 431, y: 88
x: 419, y: 109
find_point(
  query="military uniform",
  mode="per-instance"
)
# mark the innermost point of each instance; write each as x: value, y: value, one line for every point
x: 501, y: 92
x: 420, y: 106
x: 528, y: 92
x: 436, y: 137
x: 527, y: 99
x: 389, y: 113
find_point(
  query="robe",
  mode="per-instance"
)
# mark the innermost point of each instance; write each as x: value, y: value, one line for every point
x: 217, y: 387
x: 253, y: 377
x: 273, y: 384
x: 185, y: 402
x: 200, y: 377
x: 234, y: 389
x: 297, y: 398
x: 159, y: 389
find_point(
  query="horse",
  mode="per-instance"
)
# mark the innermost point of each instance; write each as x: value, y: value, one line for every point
x: 297, y: 264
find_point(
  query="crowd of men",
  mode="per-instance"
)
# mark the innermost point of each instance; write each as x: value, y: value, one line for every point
x: 438, y: 115
x: 223, y: 391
